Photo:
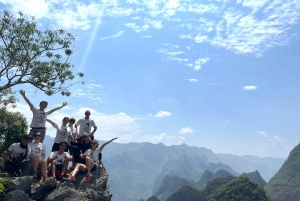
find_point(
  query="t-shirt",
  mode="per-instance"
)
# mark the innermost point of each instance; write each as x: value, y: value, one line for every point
x: 39, y: 118
x: 61, y: 158
x: 73, y: 132
x: 62, y: 133
x: 17, y: 151
x: 93, y: 154
x: 37, y: 149
x: 85, y: 125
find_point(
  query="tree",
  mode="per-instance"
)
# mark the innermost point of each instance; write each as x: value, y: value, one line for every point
x: 39, y: 58
x: 239, y: 189
x: 13, y: 126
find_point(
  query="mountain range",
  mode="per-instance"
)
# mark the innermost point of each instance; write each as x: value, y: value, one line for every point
x: 136, y: 168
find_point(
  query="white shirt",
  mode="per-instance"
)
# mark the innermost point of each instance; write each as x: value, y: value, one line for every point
x: 62, y: 134
x: 17, y: 151
x: 60, y: 158
x: 73, y: 132
x: 85, y: 125
x: 39, y: 118
x: 37, y: 149
x: 93, y: 154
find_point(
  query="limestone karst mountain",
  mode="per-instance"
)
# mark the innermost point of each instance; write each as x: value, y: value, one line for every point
x: 255, y: 177
x: 285, y: 185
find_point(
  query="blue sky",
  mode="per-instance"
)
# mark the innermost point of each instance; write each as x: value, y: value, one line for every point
x: 217, y: 74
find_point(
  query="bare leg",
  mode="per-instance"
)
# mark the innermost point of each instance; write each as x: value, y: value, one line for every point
x: 35, y: 161
x: 65, y: 166
x: 53, y: 167
x: 79, y: 167
x: 43, y: 168
x: 89, y: 165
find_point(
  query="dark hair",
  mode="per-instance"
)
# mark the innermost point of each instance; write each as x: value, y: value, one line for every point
x: 44, y: 102
x: 38, y: 132
x: 66, y: 118
x: 63, y: 142
x: 72, y: 119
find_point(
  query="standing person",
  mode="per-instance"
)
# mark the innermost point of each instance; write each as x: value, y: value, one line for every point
x: 37, y: 156
x: 63, y: 133
x: 74, y: 134
x: 85, y: 125
x: 90, y: 157
x: 59, y: 162
x: 16, y: 154
x: 39, y: 116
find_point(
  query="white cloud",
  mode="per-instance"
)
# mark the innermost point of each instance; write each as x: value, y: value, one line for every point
x: 199, y: 62
x: 110, y: 124
x: 120, y: 33
x: 275, y: 142
x: 181, y: 140
x: 192, y: 80
x: 155, y: 138
x: 186, y: 130
x: 249, y: 88
x: 161, y: 114
x: 150, y: 36
x: 200, y: 39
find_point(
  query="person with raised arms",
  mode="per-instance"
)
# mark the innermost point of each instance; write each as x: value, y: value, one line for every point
x: 16, y: 155
x: 59, y: 161
x: 37, y: 156
x: 91, y: 157
x: 63, y: 134
x: 39, y: 116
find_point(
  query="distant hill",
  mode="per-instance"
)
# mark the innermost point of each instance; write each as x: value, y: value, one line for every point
x: 206, y: 177
x: 170, y: 184
x: 153, y: 198
x: 285, y: 185
x: 255, y: 177
x: 239, y: 189
x: 190, y: 168
x: 189, y: 193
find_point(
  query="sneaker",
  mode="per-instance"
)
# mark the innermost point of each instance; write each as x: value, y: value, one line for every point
x: 62, y: 177
x: 71, y: 178
x: 88, y: 177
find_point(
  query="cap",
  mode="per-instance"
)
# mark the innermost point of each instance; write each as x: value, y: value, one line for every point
x: 85, y: 134
x: 27, y: 136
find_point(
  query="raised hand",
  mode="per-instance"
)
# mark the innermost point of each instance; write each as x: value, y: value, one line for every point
x: 64, y: 104
x: 22, y: 92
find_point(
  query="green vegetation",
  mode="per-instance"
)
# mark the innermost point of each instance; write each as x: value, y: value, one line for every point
x: 28, y: 55
x: 153, y: 198
x: 286, y: 182
x: 13, y: 126
x: 239, y: 189
x: 255, y: 177
x: 186, y: 193
x: 4, y: 185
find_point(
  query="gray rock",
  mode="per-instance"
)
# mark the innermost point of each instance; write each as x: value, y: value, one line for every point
x: 17, y: 195
x: 20, y: 183
x: 46, y: 187
x: 92, y: 195
x: 66, y: 184
x: 65, y: 195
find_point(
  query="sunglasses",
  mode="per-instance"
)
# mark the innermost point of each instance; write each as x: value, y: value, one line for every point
x: 72, y: 121
x: 37, y: 135
x: 93, y: 143
x: 87, y: 113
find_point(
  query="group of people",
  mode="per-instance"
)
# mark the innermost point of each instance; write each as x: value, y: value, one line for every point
x: 70, y: 145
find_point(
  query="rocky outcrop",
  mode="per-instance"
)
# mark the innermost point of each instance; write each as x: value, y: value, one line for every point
x: 96, y: 189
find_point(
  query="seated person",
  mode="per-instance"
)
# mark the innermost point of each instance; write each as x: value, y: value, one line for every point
x: 37, y: 156
x: 59, y: 162
x: 15, y: 156
x: 90, y: 158
x: 80, y: 147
